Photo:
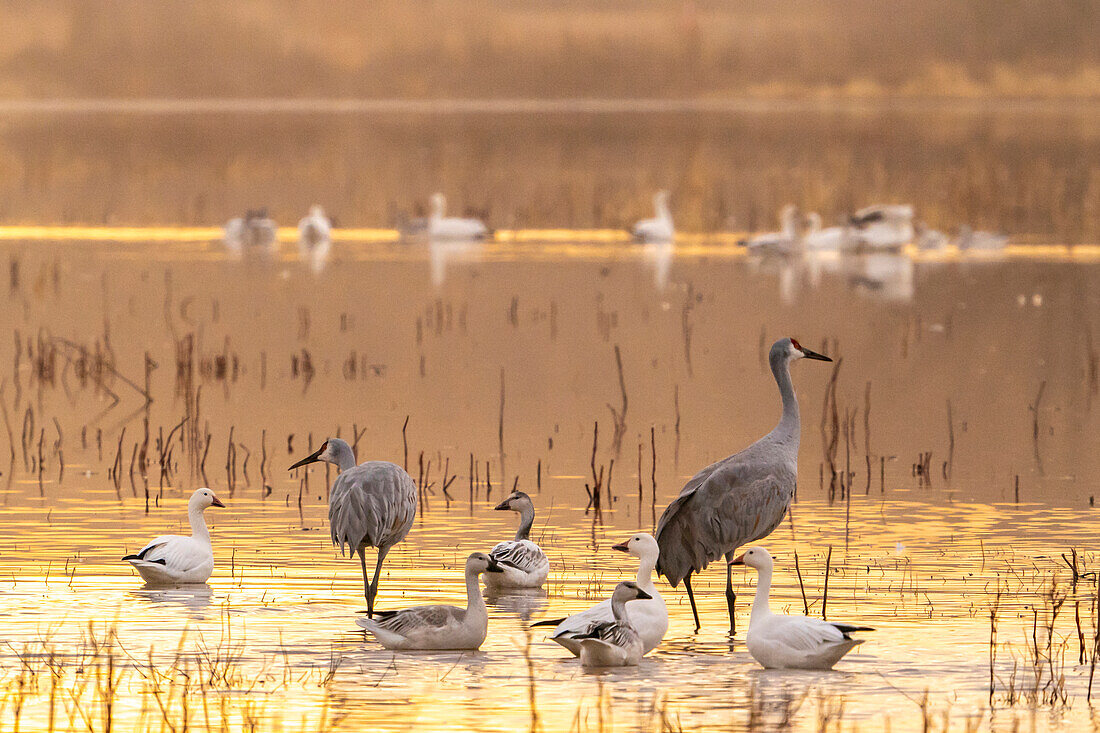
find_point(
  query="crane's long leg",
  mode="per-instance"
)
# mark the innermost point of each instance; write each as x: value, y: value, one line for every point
x: 377, y: 571
x: 366, y: 583
x: 731, y: 597
x: 691, y: 597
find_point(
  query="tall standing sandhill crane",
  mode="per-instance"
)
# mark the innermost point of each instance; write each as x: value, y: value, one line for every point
x: 739, y: 499
x: 370, y: 505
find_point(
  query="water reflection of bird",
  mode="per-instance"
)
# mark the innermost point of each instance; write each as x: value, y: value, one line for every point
x: 315, y: 238
x: 739, y: 499
x: 254, y: 233
x: 170, y: 558
x: 885, y: 275
x: 442, y: 251
x: 193, y: 598
x: 439, y: 626
x: 790, y: 642
x: 370, y: 505
x: 614, y: 643
x: 659, y: 255
x: 658, y: 229
x: 523, y: 602
x: 649, y: 616
x: 525, y: 564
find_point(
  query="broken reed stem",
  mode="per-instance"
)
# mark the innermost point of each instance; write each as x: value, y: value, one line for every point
x: 801, y: 586
x: 825, y: 593
x: 405, y: 444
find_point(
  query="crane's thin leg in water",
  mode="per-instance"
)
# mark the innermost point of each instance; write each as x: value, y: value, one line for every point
x: 691, y: 597
x: 731, y: 597
x: 377, y: 571
x: 366, y: 584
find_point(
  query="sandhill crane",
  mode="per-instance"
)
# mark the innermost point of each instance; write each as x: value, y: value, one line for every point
x: 739, y: 499
x: 370, y: 505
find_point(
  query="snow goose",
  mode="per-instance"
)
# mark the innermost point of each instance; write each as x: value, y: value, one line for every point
x: 315, y: 238
x: 649, y: 616
x: 254, y: 233
x: 818, y: 238
x: 790, y: 642
x: 883, y: 226
x: 171, y: 559
x: 659, y: 228
x: 969, y: 239
x: 614, y: 643
x: 441, y: 227
x: 524, y: 563
x: 784, y: 242
x: 438, y: 627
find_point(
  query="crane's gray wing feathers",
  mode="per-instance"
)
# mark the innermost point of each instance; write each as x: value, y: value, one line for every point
x: 522, y: 555
x: 373, y: 504
x: 410, y: 620
x: 724, y: 506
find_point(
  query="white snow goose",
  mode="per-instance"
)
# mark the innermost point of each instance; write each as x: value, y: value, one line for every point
x: 174, y: 559
x: 790, y: 642
x: 649, y: 616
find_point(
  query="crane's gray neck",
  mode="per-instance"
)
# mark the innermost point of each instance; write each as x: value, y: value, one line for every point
x: 198, y: 525
x: 618, y: 610
x: 760, y: 606
x: 526, y: 520
x: 342, y: 454
x: 789, y: 424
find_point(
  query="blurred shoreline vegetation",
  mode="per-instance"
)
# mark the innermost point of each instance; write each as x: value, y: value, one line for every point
x: 859, y: 49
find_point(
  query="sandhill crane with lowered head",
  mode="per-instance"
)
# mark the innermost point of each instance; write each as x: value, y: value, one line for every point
x: 739, y: 499
x: 370, y: 505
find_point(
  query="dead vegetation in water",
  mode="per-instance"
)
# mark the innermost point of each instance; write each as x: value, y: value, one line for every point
x: 99, y: 685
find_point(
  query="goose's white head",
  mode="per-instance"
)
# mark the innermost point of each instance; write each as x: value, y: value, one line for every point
x: 755, y: 557
x: 479, y: 562
x: 640, y: 545
x: 317, y: 211
x: 203, y: 498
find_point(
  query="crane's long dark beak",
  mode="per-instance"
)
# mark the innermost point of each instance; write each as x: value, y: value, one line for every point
x: 494, y: 566
x: 217, y: 502
x: 740, y: 559
x: 313, y: 458
x: 814, y: 355
x: 643, y: 596
x: 621, y: 547
x: 502, y: 506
